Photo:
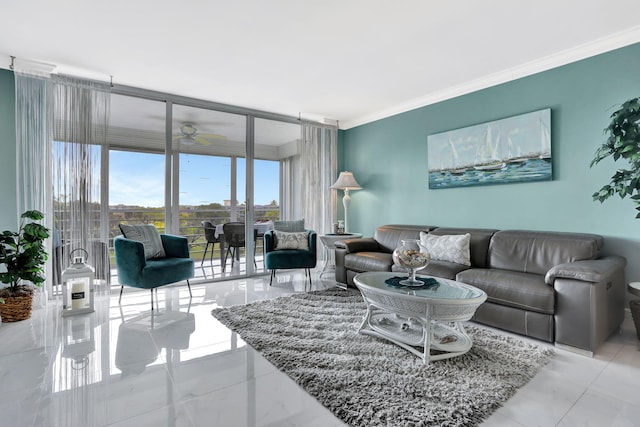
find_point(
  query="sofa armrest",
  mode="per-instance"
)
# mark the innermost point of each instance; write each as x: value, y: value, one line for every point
x: 269, y: 241
x: 348, y: 246
x: 589, y: 301
x: 130, y: 250
x: 175, y: 246
x: 130, y: 259
x: 366, y: 244
x: 313, y: 243
x: 593, y: 271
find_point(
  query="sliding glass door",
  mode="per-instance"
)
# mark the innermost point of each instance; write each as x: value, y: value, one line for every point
x: 191, y: 167
x: 209, y: 151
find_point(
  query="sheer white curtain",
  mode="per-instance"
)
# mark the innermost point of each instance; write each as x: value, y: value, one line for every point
x: 290, y: 190
x: 33, y: 153
x: 80, y: 119
x: 318, y: 169
x: 61, y: 125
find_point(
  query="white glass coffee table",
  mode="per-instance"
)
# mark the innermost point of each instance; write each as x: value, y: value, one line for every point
x: 425, y: 321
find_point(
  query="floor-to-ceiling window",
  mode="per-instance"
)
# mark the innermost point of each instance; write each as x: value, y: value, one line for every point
x: 177, y: 165
x: 135, y: 171
x: 276, y: 150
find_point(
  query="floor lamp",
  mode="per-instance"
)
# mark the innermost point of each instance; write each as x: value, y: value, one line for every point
x: 346, y: 182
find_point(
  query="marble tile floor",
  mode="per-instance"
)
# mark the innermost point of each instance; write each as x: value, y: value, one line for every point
x: 178, y: 366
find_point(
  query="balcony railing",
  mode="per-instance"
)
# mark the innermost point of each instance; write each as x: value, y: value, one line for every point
x: 189, y: 225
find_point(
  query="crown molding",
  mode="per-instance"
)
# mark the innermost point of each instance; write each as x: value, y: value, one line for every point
x: 587, y: 50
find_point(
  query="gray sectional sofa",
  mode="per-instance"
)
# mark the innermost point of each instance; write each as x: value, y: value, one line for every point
x: 551, y: 286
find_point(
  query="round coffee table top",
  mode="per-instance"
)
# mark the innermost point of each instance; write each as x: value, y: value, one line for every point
x: 445, y: 290
x: 634, y: 288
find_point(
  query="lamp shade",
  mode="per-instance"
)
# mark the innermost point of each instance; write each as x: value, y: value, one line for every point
x: 346, y: 181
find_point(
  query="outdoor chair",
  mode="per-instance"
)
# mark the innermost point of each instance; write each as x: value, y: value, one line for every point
x: 210, y: 235
x: 234, y: 238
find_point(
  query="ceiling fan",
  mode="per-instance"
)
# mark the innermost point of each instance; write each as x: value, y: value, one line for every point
x: 189, y: 135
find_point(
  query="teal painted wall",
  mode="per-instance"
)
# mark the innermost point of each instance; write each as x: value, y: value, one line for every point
x: 8, y: 213
x: 389, y: 159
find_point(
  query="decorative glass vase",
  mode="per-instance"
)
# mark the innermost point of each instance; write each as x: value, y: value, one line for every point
x: 412, y: 256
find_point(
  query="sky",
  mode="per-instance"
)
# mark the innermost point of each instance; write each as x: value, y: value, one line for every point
x: 138, y: 179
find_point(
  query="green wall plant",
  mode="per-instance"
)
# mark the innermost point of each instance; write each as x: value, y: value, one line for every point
x: 623, y: 142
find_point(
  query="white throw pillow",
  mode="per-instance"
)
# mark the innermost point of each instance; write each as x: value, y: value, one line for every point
x: 452, y: 248
x: 286, y: 240
x: 148, y: 235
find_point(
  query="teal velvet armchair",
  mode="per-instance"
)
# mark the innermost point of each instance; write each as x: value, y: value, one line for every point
x: 137, y: 271
x: 279, y: 255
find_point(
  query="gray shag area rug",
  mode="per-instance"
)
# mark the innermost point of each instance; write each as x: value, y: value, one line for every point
x: 365, y: 381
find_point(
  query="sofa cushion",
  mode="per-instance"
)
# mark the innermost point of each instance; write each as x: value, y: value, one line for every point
x: 161, y: 271
x: 368, y: 261
x: 390, y: 236
x: 511, y: 288
x: 537, y: 251
x: 444, y: 269
x: 284, y: 240
x: 449, y: 247
x: 148, y: 235
x: 479, y: 245
x: 289, y: 258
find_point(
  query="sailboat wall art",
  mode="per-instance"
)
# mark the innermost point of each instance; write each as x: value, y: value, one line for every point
x: 510, y: 150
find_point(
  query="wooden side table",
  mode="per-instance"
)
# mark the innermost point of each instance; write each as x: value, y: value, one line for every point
x: 634, y: 305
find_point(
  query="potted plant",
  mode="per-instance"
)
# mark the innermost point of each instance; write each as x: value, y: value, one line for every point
x: 623, y: 142
x: 22, y: 259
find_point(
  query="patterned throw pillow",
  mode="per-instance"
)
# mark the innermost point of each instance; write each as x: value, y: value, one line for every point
x: 452, y: 248
x: 286, y: 240
x: 148, y: 235
x: 289, y: 226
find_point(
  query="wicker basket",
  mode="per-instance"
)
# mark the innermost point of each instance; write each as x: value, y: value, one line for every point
x: 16, y: 308
x: 635, y: 315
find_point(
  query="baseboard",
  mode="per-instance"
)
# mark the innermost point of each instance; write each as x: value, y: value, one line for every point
x: 573, y: 349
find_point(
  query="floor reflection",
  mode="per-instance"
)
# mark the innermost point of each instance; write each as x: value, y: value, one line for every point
x: 126, y: 365
x: 178, y: 366
x: 142, y: 338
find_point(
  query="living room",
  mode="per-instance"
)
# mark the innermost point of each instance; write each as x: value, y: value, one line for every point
x: 388, y: 155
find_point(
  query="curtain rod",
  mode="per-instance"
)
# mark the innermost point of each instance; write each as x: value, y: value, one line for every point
x: 163, y: 96
x: 28, y: 65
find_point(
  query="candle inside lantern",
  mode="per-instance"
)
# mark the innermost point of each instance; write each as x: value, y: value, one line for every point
x: 78, y: 297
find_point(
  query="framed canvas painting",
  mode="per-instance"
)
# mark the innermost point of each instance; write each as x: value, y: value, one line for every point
x: 514, y: 149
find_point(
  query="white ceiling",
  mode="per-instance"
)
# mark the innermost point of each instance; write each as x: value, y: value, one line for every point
x: 350, y: 60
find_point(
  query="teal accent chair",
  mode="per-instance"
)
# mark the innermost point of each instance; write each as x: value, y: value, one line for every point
x: 289, y: 258
x: 136, y: 271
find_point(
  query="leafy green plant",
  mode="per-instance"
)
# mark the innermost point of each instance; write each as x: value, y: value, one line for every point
x: 623, y: 142
x: 23, y: 255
